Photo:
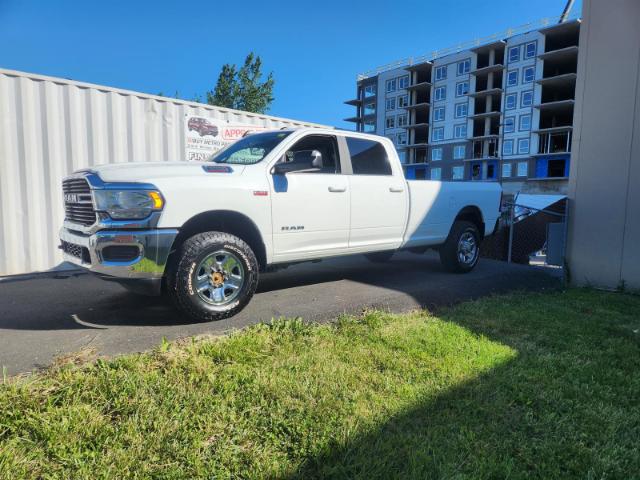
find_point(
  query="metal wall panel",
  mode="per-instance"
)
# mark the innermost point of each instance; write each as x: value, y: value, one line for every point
x: 50, y: 127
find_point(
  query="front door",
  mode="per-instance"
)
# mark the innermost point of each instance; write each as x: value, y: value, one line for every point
x: 310, y: 203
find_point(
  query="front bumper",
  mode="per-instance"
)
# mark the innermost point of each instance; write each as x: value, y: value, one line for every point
x: 140, y: 269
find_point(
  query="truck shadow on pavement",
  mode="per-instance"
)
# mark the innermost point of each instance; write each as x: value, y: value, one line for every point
x: 86, y: 302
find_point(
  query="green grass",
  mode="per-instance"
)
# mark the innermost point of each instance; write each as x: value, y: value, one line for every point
x: 520, y: 386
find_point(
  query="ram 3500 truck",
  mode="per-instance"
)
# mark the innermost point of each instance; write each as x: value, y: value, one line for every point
x: 201, y: 232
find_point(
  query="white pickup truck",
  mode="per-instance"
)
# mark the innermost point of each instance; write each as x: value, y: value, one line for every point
x: 202, y: 231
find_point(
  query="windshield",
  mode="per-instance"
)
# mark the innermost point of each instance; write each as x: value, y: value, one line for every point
x: 249, y: 150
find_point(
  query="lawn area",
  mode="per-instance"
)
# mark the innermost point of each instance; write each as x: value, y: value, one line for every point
x: 528, y: 385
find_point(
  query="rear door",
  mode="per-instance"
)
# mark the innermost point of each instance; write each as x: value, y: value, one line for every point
x: 378, y: 197
x: 310, y: 206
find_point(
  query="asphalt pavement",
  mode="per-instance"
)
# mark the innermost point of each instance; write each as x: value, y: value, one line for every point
x: 47, y: 316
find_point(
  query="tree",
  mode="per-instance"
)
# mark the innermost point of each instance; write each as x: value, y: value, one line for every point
x: 243, y: 89
x: 253, y: 95
x: 224, y: 94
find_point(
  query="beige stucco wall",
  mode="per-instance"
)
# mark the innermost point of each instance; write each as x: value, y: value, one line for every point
x: 604, y: 185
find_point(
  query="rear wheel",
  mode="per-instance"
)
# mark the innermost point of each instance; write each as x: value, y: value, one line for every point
x: 380, y: 257
x: 461, y: 251
x: 214, y: 276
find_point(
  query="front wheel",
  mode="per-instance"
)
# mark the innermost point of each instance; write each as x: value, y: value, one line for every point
x: 460, y: 252
x: 214, y: 277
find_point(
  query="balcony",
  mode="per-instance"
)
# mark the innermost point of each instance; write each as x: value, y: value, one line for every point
x: 486, y: 83
x: 497, y: 45
x: 485, y: 137
x: 369, y: 116
x: 562, y: 80
x: 419, y: 86
x: 553, y: 129
x: 418, y: 106
x: 561, y: 35
x: 420, y: 163
x: 558, y: 67
x: 488, y: 69
x: 354, y: 101
x: 419, y: 67
x: 555, y: 120
x: 417, y: 126
x: 484, y: 150
x: 418, y: 145
x: 554, y: 142
x: 486, y: 92
x: 476, y: 116
x: 558, y: 105
x: 560, y: 54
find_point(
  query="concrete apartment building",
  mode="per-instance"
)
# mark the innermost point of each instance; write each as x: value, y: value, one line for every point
x: 496, y: 109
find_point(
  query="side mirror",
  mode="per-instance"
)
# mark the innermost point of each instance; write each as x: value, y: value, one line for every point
x: 301, y: 160
x: 281, y: 168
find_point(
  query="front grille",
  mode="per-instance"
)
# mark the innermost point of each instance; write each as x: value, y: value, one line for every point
x: 77, y: 251
x: 78, y: 206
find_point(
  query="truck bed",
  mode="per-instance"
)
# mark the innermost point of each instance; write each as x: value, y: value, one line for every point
x: 432, y: 202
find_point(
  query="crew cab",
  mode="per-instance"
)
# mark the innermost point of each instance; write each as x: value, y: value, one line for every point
x: 202, y: 232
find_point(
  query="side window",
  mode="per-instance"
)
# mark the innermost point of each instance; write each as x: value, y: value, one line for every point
x: 314, y: 154
x: 368, y: 157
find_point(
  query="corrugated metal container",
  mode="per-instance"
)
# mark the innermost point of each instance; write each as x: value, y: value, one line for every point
x: 50, y: 127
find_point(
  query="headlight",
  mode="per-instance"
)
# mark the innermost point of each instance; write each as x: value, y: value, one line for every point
x: 128, y: 204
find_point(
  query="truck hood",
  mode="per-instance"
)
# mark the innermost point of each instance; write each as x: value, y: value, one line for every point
x: 147, y: 171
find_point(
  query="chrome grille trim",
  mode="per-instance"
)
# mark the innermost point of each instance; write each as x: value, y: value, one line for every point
x: 78, y: 202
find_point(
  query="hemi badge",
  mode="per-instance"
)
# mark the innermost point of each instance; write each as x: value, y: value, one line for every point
x: 217, y: 169
x: 260, y: 193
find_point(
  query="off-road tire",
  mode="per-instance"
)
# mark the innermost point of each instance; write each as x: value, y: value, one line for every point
x: 449, y: 251
x: 181, y: 272
x: 380, y: 257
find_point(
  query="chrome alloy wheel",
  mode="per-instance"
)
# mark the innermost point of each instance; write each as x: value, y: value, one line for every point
x: 219, y: 278
x: 467, y: 248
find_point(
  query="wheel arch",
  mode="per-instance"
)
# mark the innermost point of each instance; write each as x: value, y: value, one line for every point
x: 473, y: 214
x: 227, y: 221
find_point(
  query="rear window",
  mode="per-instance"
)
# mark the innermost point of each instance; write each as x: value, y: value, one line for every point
x: 368, y: 157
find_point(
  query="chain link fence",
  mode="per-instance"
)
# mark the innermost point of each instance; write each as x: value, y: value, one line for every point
x: 531, y: 233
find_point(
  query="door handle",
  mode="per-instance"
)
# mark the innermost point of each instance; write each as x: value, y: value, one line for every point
x: 396, y: 189
x: 337, y: 189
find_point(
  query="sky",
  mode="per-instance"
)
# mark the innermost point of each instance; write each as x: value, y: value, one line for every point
x: 315, y: 49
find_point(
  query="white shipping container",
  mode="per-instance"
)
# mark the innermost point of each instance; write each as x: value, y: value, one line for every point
x: 50, y: 127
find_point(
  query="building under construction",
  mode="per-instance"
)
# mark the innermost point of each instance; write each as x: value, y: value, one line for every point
x: 494, y: 109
